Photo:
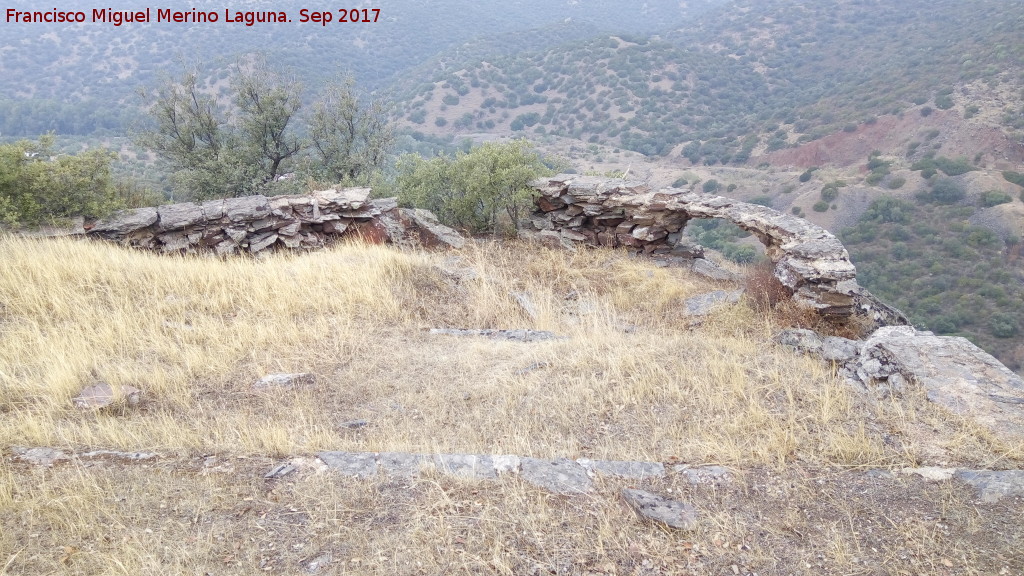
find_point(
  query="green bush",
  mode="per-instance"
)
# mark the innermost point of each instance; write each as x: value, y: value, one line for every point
x: 472, y: 190
x: 820, y: 206
x: 1014, y: 177
x: 829, y: 193
x: 954, y: 167
x: 888, y: 209
x: 943, y: 102
x: 946, y: 191
x: 679, y: 183
x: 450, y: 99
x: 994, y: 198
x: 710, y: 186
x: 897, y: 182
x: 806, y: 176
x: 37, y: 188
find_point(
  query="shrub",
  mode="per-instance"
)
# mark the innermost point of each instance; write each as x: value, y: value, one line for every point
x: 474, y: 188
x: 806, y: 176
x: 889, y: 209
x: 954, y: 167
x: 926, y: 111
x: 829, y: 193
x: 1014, y: 177
x: 897, y: 182
x: 440, y: 122
x: 679, y: 183
x: 994, y: 198
x: 710, y: 186
x: 820, y: 206
x: 450, y: 99
x: 796, y: 210
x: 946, y: 191
x: 36, y: 188
x: 971, y: 110
x: 943, y: 102
x: 762, y: 201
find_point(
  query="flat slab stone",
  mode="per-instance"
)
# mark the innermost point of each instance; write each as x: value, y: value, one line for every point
x: 994, y: 486
x: 41, y: 456
x: 402, y: 464
x: 562, y: 476
x: 702, y: 474
x: 954, y: 372
x: 703, y: 304
x: 623, y: 469
x: 514, y: 335
x: 285, y: 380
x: 672, y: 513
x: 358, y: 464
x: 466, y: 465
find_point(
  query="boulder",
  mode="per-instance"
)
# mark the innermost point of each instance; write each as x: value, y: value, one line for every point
x: 671, y: 513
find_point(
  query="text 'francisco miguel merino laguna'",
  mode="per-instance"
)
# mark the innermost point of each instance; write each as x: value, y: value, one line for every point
x: 119, y: 17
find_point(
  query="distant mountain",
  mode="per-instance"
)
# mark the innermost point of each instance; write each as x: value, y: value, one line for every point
x: 80, y: 78
x: 783, y: 71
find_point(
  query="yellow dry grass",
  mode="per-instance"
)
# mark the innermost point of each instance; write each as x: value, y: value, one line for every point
x: 633, y: 379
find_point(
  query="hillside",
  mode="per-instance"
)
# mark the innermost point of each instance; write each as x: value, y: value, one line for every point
x: 67, y: 77
x: 741, y: 79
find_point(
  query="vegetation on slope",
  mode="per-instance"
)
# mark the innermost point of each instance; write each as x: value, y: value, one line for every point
x: 951, y: 277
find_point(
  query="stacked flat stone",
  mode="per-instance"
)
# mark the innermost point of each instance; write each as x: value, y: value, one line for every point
x: 256, y: 223
x: 809, y: 260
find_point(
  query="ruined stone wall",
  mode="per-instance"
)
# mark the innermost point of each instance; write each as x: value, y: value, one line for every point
x: 809, y: 260
x: 255, y: 223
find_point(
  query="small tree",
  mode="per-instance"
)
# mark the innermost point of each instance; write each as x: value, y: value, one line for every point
x: 351, y: 139
x: 267, y: 103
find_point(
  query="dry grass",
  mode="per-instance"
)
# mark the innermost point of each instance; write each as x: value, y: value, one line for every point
x: 633, y: 379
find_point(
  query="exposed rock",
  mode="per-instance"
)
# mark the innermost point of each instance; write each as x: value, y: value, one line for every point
x: 809, y: 261
x: 103, y: 395
x: 525, y: 304
x: 712, y: 271
x: 316, y: 564
x: 466, y: 465
x: 561, y: 476
x: 703, y: 304
x: 402, y: 464
x: 623, y: 469
x: 359, y: 464
x: 280, y: 471
x: 702, y: 474
x: 285, y: 380
x: 118, y: 455
x: 672, y: 513
x: 258, y: 223
x: 515, y: 335
x: 955, y: 373
x: 994, y: 486
x: 39, y: 456
x: 125, y: 222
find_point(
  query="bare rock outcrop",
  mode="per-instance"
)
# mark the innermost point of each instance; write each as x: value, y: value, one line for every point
x: 953, y: 372
x: 809, y: 260
x: 256, y: 223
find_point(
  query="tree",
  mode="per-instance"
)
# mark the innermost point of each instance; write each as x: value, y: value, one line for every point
x: 475, y: 189
x: 267, y: 103
x: 216, y: 153
x: 189, y: 134
x: 351, y: 139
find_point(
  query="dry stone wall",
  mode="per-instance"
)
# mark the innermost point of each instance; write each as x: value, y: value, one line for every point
x: 256, y: 223
x: 809, y: 260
